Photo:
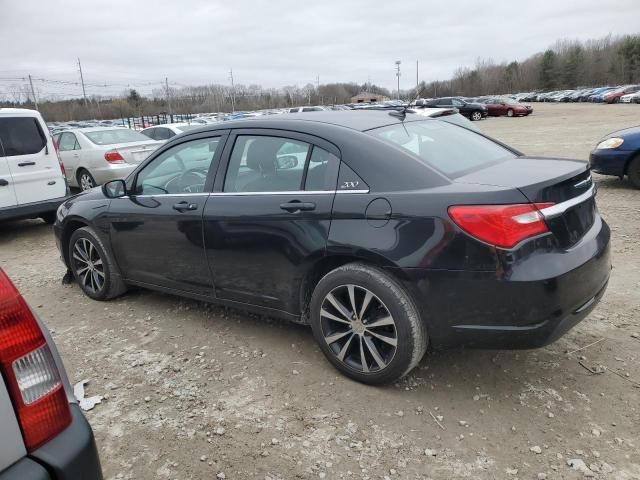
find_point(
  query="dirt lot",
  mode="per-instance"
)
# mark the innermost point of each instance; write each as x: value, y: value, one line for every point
x: 196, y: 391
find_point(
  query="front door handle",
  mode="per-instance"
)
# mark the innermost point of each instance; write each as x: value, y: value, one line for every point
x: 3, y: 182
x: 26, y: 164
x: 184, y: 206
x: 296, y: 206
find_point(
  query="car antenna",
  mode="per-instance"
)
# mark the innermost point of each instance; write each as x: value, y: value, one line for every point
x: 401, y: 114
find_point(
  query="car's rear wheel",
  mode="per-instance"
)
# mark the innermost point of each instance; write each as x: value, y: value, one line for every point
x: 92, y: 267
x: 475, y: 116
x: 510, y: 112
x: 86, y: 180
x: 49, y: 217
x: 633, y: 171
x: 367, y: 324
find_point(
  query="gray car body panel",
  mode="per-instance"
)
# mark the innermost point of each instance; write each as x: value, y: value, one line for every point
x: 11, y: 444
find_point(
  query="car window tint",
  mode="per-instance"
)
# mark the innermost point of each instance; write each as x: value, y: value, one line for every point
x: 163, y: 133
x: 448, y: 148
x: 181, y: 169
x: 21, y: 136
x: 323, y: 171
x: 266, y: 164
x: 150, y: 132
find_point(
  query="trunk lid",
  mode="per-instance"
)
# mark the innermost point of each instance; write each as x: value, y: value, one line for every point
x: 565, y: 183
x: 137, y: 152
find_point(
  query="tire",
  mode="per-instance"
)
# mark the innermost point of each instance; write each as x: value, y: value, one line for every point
x: 345, y: 341
x: 633, y: 171
x: 86, y: 180
x: 49, y: 217
x: 476, y: 115
x: 510, y: 112
x: 99, y: 280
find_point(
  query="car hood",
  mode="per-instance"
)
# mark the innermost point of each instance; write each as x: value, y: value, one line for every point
x: 624, y: 132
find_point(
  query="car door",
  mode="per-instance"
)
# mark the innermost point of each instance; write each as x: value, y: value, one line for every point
x: 156, y: 230
x: 31, y: 159
x: 69, y: 149
x: 7, y: 191
x: 269, y: 215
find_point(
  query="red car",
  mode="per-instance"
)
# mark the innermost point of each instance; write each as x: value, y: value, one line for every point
x: 614, y: 95
x: 506, y: 106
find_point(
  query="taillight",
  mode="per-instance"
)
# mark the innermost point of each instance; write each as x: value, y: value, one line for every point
x: 29, y: 370
x: 113, y: 156
x: 55, y: 145
x: 503, y: 226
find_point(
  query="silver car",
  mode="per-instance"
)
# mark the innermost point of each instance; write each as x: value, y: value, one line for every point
x: 93, y: 156
x: 43, y: 433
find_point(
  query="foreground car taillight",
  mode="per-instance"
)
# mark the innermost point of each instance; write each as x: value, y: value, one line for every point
x: 502, y: 226
x: 113, y: 156
x: 55, y: 145
x: 29, y: 370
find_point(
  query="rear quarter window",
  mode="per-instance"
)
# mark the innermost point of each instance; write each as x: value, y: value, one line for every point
x: 21, y: 136
x: 450, y: 149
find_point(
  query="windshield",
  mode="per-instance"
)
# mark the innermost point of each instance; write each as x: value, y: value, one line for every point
x: 111, y: 137
x: 452, y: 150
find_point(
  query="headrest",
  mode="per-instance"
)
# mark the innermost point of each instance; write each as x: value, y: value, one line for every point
x: 262, y: 153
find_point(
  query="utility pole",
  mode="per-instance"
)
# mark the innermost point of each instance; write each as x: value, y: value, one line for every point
x: 33, y: 92
x: 398, y: 62
x: 166, y: 84
x: 233, y: 92
x: 84, y: 92
x: 417, y: 77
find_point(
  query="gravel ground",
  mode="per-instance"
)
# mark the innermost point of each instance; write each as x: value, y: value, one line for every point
x: 197, y: 391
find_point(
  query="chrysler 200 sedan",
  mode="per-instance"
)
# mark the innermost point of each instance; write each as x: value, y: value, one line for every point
x: 385, y: 232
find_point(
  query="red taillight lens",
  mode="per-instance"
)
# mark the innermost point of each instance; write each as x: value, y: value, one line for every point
x: 113, y: 156
x: 503, y: 226
x: 29, y: 370
x: 55, y: 145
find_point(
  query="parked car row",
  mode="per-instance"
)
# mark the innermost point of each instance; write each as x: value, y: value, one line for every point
x: 619, y: 94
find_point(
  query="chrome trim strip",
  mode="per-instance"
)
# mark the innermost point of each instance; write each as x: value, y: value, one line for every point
x: 244, y: 194
x: 560, y: 208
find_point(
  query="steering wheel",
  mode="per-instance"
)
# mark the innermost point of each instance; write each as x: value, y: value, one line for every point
x: 190, y: 181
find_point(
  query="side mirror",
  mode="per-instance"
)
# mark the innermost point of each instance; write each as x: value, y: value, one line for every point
x: 114, y: 189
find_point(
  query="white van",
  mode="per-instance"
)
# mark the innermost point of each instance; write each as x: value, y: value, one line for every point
x: 32, y: 180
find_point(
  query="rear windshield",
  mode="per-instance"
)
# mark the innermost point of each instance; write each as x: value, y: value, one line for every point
x: 110, y: 137
x: 21, y: 136
x: 452, y: 150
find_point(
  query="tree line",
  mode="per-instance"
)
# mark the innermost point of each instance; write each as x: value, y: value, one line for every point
x: 566, y: 64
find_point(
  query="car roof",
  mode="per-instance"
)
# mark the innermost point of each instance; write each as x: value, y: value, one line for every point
x: 23, y: 112
x: 94, y: 129
x: 177, y: 124
x: 360, y: 120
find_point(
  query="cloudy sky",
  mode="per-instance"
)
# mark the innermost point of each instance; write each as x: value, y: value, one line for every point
x: 281, y: 42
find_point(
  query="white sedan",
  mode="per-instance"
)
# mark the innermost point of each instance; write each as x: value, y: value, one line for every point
x: 93, y: 156
x: 630, y: 98
x: 168, y: 130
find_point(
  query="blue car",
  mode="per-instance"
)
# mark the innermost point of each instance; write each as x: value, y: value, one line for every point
x: 619, y: 154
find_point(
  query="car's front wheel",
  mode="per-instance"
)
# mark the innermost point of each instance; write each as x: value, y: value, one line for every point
x: 510, y: 112
x: 367, y: 324
x: 93, y: 267
x: 475, y: 116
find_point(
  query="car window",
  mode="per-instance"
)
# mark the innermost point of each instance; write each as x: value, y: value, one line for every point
x: 150, y: 132
x: 68, y: 141
x: 448, y: 148
x: 163, y: 133
x: 457, y: 103
x: 266, y: 164
x: 444, y: 101
x: 114, y: 136
x: 322, y: 172
x: 21, y: 136
x: 181, y: 169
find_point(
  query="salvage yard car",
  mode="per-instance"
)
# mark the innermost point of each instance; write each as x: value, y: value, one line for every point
x: 384, y: 231
x: 618, y: 154
x: 95, y: 155
x: 44, y: 434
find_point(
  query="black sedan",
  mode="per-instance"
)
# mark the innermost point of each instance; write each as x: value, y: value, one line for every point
x: 471, y: 110
x: 385, y: 232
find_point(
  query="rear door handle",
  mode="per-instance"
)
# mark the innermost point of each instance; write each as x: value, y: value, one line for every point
x: 296, y: 206
x: 3, y: 182
x: 184, y: 206
x: 26, y: 164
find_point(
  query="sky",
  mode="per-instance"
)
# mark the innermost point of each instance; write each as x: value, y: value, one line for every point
x: 139, y: 43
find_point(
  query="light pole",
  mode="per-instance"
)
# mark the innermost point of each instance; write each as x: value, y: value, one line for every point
x: 398, y: 75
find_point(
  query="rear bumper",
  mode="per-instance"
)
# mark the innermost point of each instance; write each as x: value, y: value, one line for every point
x: 72, y: 455
x: 112, y: 172
x: 609, y: 161
x: 30, y: 210
x: 532, y: 306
